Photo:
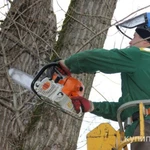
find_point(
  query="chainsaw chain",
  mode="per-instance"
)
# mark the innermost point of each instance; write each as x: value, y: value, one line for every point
x: 63, y: 110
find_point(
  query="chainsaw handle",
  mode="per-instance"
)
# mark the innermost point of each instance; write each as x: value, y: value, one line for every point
x: 38, y: 75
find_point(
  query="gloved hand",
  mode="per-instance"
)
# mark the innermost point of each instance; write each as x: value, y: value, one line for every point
x: 79, y: 101
x: 63, y: 68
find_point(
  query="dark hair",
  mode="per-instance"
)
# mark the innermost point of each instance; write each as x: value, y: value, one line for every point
x: 143, y: 32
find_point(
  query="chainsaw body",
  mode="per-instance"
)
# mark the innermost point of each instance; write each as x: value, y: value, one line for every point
x: 50, y: 85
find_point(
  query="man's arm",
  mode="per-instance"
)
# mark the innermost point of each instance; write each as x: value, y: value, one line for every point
x: 106, y: 61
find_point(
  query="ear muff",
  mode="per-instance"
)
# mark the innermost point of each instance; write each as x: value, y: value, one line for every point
x: 143, y: 32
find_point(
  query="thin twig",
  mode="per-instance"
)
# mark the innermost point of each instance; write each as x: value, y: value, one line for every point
x: 17, y: 41
x: 27, y: 29
x: 6, y: 106
x: 17, y: 113
x: 88, y: 41
x: 99, y: 93
x: 14, y: 98
x: 7, y: 91
x: 88, y: 15
x: 76, y: 19
x: 5, y: 99
x: 29, y: 99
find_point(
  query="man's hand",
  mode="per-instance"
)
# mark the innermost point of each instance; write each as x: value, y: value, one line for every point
x: 79, y: 101
x: 63, y: 68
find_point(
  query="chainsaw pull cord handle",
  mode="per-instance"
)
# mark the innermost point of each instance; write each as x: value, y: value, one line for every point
x: 38, y: 75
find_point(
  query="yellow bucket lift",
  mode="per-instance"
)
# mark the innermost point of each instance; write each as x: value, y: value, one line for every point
x: 105, y: 137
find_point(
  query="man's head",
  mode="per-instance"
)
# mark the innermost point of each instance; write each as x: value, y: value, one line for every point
x: 141, y: 37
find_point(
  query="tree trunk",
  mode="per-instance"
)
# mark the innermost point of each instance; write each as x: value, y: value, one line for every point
x: 85, y: 27
x: 27, y: 39
x: 27, y: 42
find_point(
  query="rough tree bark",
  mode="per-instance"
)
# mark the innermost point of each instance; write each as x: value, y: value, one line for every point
x: 27, y: 42
x: 85, y: 27
x: 27, y: 39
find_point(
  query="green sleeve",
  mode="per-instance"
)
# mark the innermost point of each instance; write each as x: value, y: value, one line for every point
x: 107, y: 61
x: 107, y: 110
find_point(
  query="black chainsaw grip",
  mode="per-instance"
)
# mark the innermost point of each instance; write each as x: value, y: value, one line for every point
x: 38, y: 75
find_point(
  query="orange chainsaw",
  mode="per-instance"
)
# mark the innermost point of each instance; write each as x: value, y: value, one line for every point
x: 50, y: 85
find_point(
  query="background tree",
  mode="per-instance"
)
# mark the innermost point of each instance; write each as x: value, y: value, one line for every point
x: 28, y: 41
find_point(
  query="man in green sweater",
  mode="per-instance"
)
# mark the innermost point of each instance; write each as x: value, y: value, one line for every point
x: 134, y: 65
